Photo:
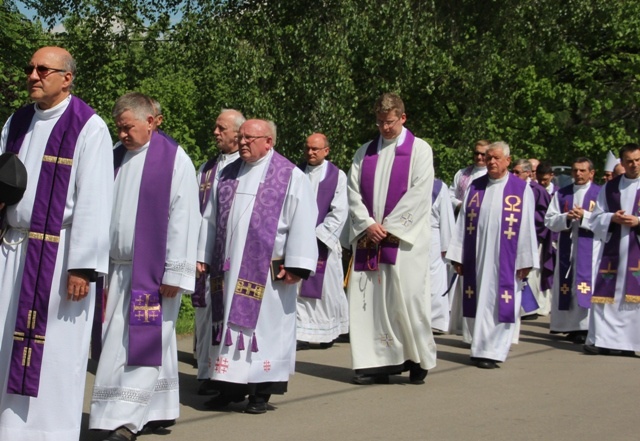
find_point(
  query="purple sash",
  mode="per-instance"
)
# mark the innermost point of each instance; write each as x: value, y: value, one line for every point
x: 44, y: 237
x: 258, y: 250
x: 149, y: 251
x: 582, y: 285
x: 464, y: 182
x: 207, y: 177
x: 510, y: 227
x: 312, y: 287
x: 437, y: 186
x: 368, y: 255
x: 605, y: 285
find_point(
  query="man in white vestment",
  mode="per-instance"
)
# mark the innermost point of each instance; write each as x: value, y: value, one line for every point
x: 442, y: 227
x: 569, y: 214
x: 323, y: 310
x: 59, y: 240
x: 465, y: 176
x: 226, y: 131
x: 388, y: 187
x: 154, y: 233
x: 614, y: 325
x: 258, y: 241
x: 494, y: 248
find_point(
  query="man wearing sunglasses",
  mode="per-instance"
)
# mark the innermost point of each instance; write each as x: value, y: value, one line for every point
x: 465, y: 176
x: 57, y: 242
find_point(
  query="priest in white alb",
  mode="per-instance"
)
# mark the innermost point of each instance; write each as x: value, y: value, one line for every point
x: 389, y: 188
x: 154, y: 235
x: 494, y: 248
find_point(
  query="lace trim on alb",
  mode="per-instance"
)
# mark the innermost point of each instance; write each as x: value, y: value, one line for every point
x: 186, y: 269
x: 138, y: 396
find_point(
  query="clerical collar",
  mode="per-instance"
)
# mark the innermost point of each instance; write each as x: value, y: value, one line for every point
x: 53, y: 112
x: 261, y: 160
x: 397, y: 140
x: 581, y: 186
x: 504, y: 178
x: 312, y: 168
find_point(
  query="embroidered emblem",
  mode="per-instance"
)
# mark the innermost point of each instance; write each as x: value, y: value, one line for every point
x: 386, y: 339
x: 222, y: 365
x: 407, y: 219
x: 506, y: 296
x: 266, y: 365
x: 564, y: 289
x: 584, y: 288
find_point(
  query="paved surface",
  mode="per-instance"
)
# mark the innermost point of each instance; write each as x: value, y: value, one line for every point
x: 546, y: 390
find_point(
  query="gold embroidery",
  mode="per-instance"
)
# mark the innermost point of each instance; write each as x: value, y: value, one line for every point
x: 631, y: 298
x: 607, y: 300
x: 506, y: 296
x: 144, y: 310
x: 564, y: 289
x: 512, y: 206
x: 57, y: 160
x: 469, y: 292
x: 18, y: 336
x: 249, y: 289
x: 584, y: 288
x: 26, y: 357
x: 510, y: 233
x: 31, y: 319
x: 45, y: 237
x: 217, y: 284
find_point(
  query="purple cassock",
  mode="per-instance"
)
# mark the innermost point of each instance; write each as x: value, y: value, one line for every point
x: 258, y: 250
x: 44, y: 238
x: 149, y: 250
x: 312, y: 287
x: 207, y: 178
x: 511, y: 216
x: 542, y: 198
x: 583, y: 284
x: 605, y: 285
x: 369, y: 255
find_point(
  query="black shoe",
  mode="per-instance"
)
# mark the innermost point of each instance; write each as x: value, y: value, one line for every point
x: 417, y: 374
x: 302, y: 345
x: 207, y: 388
x: 577, y: 337
x: 155, y: 426
x: 594, y: 350
x: 121, y: 434
x: 326, y: 345
x: 530, y: 317
x: 485, y: 363
x: 370, y: 379
x: 342, y: 338
x: 256, y: 408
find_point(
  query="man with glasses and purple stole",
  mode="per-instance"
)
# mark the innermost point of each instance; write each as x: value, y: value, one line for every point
x: 493, y: 249
x: 56, y: 244
x: 226, y: 132
x: 389, y: 187
x: 465, y: 176
x: 323, y: 310
x: 258, y: 241
x: 614, y: 325
x: 154, y: 234
x: 569, y: 214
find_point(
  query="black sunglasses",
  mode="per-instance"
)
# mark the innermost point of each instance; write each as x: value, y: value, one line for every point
x: 43, y: 71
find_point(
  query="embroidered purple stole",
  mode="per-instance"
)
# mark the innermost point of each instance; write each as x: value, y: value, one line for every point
x: 312, y: 287
x: 44, y: 238
x: 511, y: 219
x: 207, y: 177
x: 149, y: 251
x: 368, y: 255
x: 605, y: 285
x: 437, y: 186
x: 464, y: 182
x: 258, y: 249
x: 582, y: 285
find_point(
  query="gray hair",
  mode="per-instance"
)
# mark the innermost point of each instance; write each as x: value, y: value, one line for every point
x: 273, y: 129
x: 526, y: 165
x: 238, y: 118
x: 69, y: 65
x: 138, y: 103
x: 501, y: 145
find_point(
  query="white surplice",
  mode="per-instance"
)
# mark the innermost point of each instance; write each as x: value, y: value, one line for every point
x: 295, y: 240
x: 133, y: 395
x: 323, y: 320
x: 461, y: 183
x: 55, y: 415
x: 488, y: 337
x: 203, y: 326
x: 442, y: 227
x: 390, y: 309
x: 617, y: 325
x: 575, y: 318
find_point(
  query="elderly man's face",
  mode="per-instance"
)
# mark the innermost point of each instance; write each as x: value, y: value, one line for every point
x: 225, y: 133
x: 255, y: 140
x: 519, y: 171
x: 390, y: 124
x: 497, y: 163
x: 581, y: 173
x: 315, y: 149
x: 47, y: 81
x: 133, y: 132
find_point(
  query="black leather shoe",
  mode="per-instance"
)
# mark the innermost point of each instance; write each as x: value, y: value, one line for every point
x: 371, y: 379
x: 256, y: 408
x: 594, y: 350
x: 121, y: 434
x: 530, y: 317
x: 207, y: 388
x: 156, y: 426
x: 302, y: 345
x: 485, y: 363
x: 417, y: 374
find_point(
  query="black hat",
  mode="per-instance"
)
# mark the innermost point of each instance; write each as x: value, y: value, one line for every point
x: 13, y: 179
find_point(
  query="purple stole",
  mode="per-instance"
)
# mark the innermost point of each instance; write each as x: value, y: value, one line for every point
x: 258, y: 250
x: 44, y: 238
x: 582, y: 285
x: 149, y: 251
x: 369, y: 255
x: 207, y: 178
x: 605, y: 285
x: 510, y: 227
x: 464, y: 182
x: 312, y: 287
x: 544, y: 236
x: 437, y: 186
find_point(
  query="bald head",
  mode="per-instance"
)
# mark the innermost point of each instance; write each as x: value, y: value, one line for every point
x: 316, y: 149
x: 255, y: 137
x: 226, y: 130
x: 51, y: 78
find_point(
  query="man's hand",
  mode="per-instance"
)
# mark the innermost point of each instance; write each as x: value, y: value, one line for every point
x: 201, y: 268
x: 522, y: 273
x: 77, y: 286
x: 576, y: 213
x: 376, y: 233
x: 288, y: 277
x: 458, y: 268
x: 169, y: 291
x: 628, y: 220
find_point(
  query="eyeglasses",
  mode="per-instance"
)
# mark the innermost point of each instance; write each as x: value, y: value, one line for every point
x: 386, y: 123
x: 249, y: 138
x: 314, y: 149
x: 477, y: 153
x: 43, y: 71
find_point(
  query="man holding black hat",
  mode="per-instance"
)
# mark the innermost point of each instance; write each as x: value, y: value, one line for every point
x: 13, y: 180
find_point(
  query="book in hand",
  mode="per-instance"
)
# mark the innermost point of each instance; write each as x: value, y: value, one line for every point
x: 277, y: 265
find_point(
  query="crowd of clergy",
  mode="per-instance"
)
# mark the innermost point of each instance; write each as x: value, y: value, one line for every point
x: 101, y: 242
